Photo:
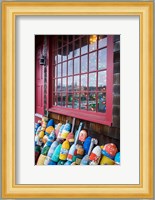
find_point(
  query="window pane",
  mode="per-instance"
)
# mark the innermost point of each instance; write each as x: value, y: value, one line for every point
x: 59, y: 85
x: 55, y: 72
x: 92, y: 61
x: 76, y: 100
x: 77, y: 66
x: 84, y: 63
x: 84, y: 45
x: 64, y: 53
x: 84, y: 82
x: 92, y: 81
x: 64, y: 84
x: 93, y: 42
x: 55, y: 83
x: 76, y: 48
x: 70, y: 67
x: 54, y: 99
x: 59, y: 99
x: 70, y: 51
x: 102, y: 80
x: 64, y: 99
x: 102, y: 41
x: 64, y: 68
x: 55, y: 59
x: 59, y: 70
x: 59, y: 55
x: 70, y: 83
x: 83, y: 104
x: 92, y: 101
x: 70, y: 100
x: 102, y: 59
x: 102, y: 102
x: 76, y: 83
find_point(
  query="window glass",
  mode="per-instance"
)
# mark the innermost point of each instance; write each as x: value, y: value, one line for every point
x: 76, y: 100
x: 77, y: 66
x: 64, y: 84
x: 76, y: 83
x: 92, y: 81
x: 102, y: 80
x: 59, y: 55
x: 102, y: 41
x: 59, y: 99
x: 102, y: 59
x: 101, y: 102
x: 70, y: 51
x: 76, y: 48
x: 64, y: 99
x: 55, y: 99
x: 84, y: 45
x: 92, y: 101
x: 92, y: 61
x: 70, y: 100
x: 64, y: 55
x: 83, y: 104
x: 59, y: 85
x: 84, y: 82
x: 93, y: 42
x: 64, y: 68
x: 59, y: 70
x: 70, y: 82
x: 70, y: 67
x: 84, y: 63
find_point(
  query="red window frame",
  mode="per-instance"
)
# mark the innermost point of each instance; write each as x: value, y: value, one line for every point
x: 97, y: 117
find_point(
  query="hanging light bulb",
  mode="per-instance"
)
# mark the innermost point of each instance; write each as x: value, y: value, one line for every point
x: 93, y: 39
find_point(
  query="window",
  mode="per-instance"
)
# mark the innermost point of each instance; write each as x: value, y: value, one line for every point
x: 81, y: 76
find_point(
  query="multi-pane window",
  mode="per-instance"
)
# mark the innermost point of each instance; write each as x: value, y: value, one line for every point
x: 79, y: 73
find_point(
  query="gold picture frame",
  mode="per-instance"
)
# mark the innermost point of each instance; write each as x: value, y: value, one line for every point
x: 9, y: 12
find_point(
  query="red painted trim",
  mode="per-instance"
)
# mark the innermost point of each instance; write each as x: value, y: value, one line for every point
x: 110, y: 63
x: 48, y: 81
x: 82, y: 114
x: 97, y: 117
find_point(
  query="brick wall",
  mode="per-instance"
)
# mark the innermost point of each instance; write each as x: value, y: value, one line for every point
x: 103, y: 133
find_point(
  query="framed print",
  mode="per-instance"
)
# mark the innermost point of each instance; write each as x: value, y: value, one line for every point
x: 77, y: 73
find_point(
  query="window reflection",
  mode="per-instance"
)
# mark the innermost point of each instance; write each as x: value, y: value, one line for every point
x: 64, y: 53
x: 64, y: 99
x: 93, y: 42
x: 76, y: 100
x: 102, y: 80
x: 92, y: 61
x: 64, y: 84
x: 55, y: 99
x: 101, y: 102
x: 84, y: 45
x: 70, y: 82
x: 70, y: 67
x: 70, y: 100
x: 77, y: 66
x: 59, y: 99
x: 83, y: 104
x: 76, y: 48
x: 92, y: 101
x: 84, y: 82
x: 59, y: 85
x: 55, y: 72
x: 102, y: 41
x: 59, y: 70
x: 92, y: 81
x: 76, y: 83
x: 70, y: 49
x: 102, y: 59
x: 84, y: 63
x: 64, y: 68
